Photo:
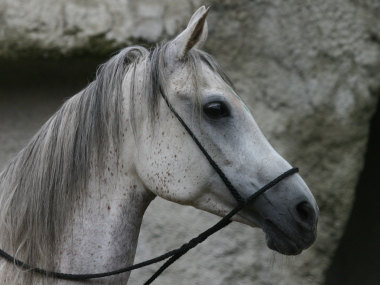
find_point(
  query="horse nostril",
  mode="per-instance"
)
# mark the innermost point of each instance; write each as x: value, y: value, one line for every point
x: 306, y: 213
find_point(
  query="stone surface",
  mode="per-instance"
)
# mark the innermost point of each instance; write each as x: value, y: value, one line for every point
x: 308, y: 69
x: 67, y: 27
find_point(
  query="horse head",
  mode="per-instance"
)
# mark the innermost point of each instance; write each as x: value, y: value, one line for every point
x: 171, y: 165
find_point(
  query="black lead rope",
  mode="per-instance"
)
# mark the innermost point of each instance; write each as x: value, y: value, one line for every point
x: 218, y: 226
x: 175, y: 254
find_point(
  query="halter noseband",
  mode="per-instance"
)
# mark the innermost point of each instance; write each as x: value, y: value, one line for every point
x: 175, y: 254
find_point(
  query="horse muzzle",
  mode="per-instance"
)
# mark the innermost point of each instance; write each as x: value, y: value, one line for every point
x: 288, y: 241
x: 287, y: 215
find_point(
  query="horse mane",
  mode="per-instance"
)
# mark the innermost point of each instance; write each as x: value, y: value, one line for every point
x: 39, y: 187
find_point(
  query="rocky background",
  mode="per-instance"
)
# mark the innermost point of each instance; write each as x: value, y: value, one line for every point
x: 310, y: 70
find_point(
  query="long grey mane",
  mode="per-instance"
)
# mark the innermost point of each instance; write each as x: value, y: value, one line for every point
x: 39, y: 187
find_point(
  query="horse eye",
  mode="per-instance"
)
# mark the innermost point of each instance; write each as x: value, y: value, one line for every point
x: 216, y: 110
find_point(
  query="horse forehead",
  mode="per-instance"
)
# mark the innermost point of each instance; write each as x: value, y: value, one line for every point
x: 206, y: 79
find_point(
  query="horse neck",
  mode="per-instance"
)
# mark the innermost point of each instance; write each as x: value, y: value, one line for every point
x: 103, y: 231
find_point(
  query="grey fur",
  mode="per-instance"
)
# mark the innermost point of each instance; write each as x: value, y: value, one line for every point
x: 41, y: 184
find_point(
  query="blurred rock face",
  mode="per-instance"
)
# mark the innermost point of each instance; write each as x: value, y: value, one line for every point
x: 308, y: 70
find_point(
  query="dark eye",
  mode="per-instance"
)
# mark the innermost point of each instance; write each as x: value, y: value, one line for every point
x: 216, y: 110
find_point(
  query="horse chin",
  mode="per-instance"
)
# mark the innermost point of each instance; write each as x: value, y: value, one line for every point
x: 276, y: 239
x: 280, y: 241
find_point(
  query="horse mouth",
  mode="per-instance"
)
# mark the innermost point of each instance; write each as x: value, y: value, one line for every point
x: 286, y: 237
x: 285, y: 243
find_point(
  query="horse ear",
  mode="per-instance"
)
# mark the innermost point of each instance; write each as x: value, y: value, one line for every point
x: 194, y: 36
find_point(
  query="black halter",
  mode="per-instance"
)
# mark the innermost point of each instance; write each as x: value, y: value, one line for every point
x: 175, y: 254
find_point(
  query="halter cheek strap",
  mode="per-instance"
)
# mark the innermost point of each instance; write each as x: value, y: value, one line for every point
x: 175, y: 254
x: 214, y: 165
